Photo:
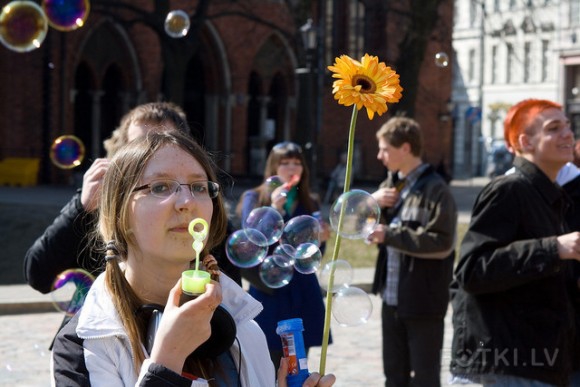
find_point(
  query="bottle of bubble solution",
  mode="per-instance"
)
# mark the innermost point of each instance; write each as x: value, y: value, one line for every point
x: 193, y: 281
x: 290, y: 332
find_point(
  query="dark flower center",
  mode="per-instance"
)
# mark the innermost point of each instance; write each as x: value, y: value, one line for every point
x: 366, y: 83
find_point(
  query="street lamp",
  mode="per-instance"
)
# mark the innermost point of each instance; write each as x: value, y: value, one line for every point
x: 308, y: 89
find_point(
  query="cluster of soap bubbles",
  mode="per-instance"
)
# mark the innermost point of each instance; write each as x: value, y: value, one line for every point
x: 354, y: 215
x: 70, y: 289
x: 298, y: 249
x: 24, y: 24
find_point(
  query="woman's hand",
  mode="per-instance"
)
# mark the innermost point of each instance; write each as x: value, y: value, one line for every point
x: 278, y: 198
x: 314, y: 380
x: 184, y: 328
x: 92, y: 184
x: 324, y: 231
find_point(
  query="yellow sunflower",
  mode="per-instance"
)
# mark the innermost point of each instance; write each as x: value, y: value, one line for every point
x: 367, y: 83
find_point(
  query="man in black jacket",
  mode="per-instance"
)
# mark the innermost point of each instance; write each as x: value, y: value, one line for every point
x: 416, y: 252
x: 514, y: 285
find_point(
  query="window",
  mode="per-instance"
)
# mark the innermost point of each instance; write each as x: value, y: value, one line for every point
x: 471, y: 68
x: 472, y: 12
x: 574, y: 13
x: 356, y: 21
x: 494, y: 64
x: 510, y: 63
x: 527, y: 61
x: 545, y: 53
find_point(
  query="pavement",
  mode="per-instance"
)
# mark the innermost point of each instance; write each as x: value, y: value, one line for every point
x: 29, y: 319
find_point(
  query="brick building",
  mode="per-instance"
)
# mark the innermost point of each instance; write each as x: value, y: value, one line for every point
x: 239, y: 74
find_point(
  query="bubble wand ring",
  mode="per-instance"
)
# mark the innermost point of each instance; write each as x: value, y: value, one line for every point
x: 198, y: 235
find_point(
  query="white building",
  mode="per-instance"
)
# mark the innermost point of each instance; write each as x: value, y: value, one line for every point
x: 506, y: 51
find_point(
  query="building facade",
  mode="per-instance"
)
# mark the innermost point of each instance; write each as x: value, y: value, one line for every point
x: 243, y: 75
x: 506, y: 51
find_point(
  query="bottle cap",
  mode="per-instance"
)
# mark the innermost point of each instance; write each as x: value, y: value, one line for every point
x: 293, y: 324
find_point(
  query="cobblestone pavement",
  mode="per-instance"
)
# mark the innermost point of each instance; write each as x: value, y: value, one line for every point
x: 354, y: 357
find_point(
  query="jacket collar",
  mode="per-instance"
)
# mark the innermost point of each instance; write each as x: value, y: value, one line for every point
x: 99, y: 318
x: 547, y: 188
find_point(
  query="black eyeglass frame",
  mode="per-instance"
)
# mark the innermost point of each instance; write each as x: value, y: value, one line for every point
x: 213, y: 188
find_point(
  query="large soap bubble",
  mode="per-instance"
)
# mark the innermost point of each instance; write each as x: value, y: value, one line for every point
x: 242, y: 252
x: 67, y: 152
x: 23, y: 26
x: 177, y: 24
x: 66, y: 15
x: 298, y: 230
x: 266, y: 220
x: 351, y: 306
x: 308, y: 258
x: 360, y: 214
x: 343, y: 274
x: 70, y: 289
x: 275, y: 275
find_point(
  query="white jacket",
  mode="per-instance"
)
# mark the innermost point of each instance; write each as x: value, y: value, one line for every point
x: 109, y: 357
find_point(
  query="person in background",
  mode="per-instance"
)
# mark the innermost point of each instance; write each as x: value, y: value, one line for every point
x: 155, y: 186
x: 514, y: 285
x: 416, y: 241
x: 63, y: 246
x: 302, y: 296
x: 337, y: 179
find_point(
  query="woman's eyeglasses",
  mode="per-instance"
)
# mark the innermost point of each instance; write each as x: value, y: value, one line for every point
x: 200, y: 190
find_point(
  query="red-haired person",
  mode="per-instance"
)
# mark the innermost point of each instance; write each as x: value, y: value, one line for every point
x: 514, y: 291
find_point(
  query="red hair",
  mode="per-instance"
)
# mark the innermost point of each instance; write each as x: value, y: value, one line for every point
x: 521, y: 116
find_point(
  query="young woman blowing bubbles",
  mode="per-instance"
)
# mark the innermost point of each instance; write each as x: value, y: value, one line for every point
x: 154, y: 187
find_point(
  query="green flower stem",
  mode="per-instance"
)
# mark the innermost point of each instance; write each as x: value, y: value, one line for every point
x: 328, y: 314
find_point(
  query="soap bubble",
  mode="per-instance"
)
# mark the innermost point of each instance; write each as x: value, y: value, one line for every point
x: 266, y: 220
x: 242, y: 252
x: 343, y: 274
x: 273, y: 182
x: 308, y: 258
x: 23, y: 26
x: 275, y: 275
x: 177, y: 24
x: 67, y: 152
x: 351, y: 306
x: 441, y: 59
x: 70, y: 289
x: 66, y: 15
x: 360, y: 214
x: 298, y: 230
x: 282, y: 258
